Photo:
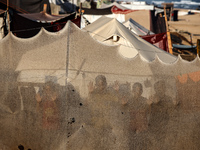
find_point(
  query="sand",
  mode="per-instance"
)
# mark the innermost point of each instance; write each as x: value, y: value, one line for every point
x: 187, y: 23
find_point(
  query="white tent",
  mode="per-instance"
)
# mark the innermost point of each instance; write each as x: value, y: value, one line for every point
x: 136, y: 27
x: 106, y: 29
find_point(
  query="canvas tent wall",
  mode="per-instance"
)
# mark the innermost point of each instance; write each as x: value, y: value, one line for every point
x: 67, y: 55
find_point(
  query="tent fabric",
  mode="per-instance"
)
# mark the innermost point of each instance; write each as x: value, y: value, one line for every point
x: 117, y: 8
x: 91, y: 18
x: 55, y: 9
x: 2, y: 11
x: 159, y: 40
x: 44, y: 17
x: 66, y: 6
x: 142, y: 17
x: 26, y: 25
x: 60, y: 90
x: 93, y: 14
x: 137, y: 28
x: 99, y: 11
x: 113, y: 4
x: 28, y: 6
x: 105, y: 28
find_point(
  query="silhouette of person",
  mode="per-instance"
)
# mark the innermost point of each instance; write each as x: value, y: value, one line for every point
x: 140, y: 109
x: 102, y: 103
x: 48, y: 102
x: 160, y: 106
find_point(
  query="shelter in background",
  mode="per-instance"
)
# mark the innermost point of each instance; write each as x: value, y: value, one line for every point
x: 145, y: 17
x: 28, y: 25
x: 159, y: 40
x: 26, y: 6
x: 142, y: 17
x: 22, y: 6
x: 111, y: 31
x: 137, y: 28
x: 113, y: 10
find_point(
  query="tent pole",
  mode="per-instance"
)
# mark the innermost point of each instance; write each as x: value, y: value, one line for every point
x: 198, y: 46
x: 8, y: 17
x: 67, y: 56
x: 80, y: 8
x: 168, y: 33
x: 9, y: 43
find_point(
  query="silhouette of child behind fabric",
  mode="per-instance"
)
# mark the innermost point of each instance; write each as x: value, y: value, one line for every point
x: 48, y: 103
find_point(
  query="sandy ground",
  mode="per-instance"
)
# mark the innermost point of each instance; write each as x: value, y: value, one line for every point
x: 187, y: 23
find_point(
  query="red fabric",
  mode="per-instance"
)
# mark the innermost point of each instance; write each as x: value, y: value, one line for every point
x: 117, y: 10
x: 159, y: 40
x: 57, y: 26
x: 77, y: 21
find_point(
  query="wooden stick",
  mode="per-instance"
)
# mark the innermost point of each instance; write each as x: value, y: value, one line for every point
x: 45, y: 8
x: 168, y: 33
x: 80, y: 9
x: 198, y: 46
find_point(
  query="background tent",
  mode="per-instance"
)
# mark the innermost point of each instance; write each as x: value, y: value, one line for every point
x: 159, y: 40
x: 137, y: 28
x: 106, y: 29
x: 117, y: 8
x: 26, y: 6
x: 113, y: 10
x: 28, y: 25
x: 79, y: 113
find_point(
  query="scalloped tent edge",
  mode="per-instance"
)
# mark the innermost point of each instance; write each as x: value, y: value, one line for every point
x: 36, y: 58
